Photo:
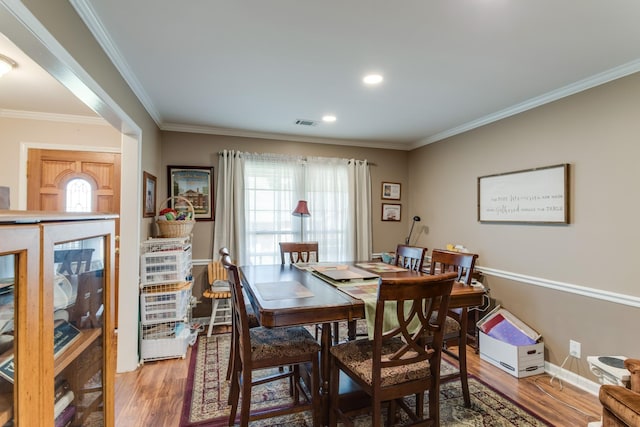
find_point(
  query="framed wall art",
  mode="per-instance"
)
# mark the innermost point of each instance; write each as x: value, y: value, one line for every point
x: 194, y: 183
x: 149, y: 195
x: 539, y: 195
x: 391, y: 190
x: 391, y: 212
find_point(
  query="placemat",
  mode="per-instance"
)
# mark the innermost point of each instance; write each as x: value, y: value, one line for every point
x: 283, y: 290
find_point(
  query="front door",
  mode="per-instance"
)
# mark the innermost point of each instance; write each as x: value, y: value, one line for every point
x: 49, y: 172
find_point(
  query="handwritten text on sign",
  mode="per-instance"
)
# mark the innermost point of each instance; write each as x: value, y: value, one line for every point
x: 536, y: 195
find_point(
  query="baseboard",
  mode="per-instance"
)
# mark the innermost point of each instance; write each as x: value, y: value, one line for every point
x: 572, y: 378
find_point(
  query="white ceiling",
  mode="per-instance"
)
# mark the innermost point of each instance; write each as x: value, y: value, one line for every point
x: 252, y: 67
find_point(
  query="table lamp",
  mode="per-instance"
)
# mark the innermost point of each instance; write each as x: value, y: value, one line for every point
x: 301, y: 210
x: 415, y: 218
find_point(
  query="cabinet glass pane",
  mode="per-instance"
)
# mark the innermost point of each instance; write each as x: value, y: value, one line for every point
x: 7, y: 333
x: 78, y: 289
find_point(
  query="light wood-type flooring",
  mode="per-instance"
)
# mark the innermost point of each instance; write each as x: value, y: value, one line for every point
x: 152, y: 395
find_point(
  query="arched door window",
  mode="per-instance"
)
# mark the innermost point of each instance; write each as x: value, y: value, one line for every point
x: 78, y: 195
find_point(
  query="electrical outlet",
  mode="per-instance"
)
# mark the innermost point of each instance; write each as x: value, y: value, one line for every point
x: 574, y: 349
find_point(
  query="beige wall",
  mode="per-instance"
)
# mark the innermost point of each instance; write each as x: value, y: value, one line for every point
x: 597, y: 132
x: 388, y: 165
x: 40, y: 133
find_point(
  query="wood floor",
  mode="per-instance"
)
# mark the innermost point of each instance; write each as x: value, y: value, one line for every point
x: 152, y: 395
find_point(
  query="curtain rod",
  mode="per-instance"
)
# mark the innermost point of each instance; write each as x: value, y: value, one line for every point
x: 303, y: 158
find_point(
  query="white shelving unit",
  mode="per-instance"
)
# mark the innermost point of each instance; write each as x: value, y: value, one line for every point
x: 165, y: 294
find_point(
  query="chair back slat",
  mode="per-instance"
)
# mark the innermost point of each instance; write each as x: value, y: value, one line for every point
x: 215, y: 271
x: 298, y: 252
x: 410, y: 257
x: 460, y: 262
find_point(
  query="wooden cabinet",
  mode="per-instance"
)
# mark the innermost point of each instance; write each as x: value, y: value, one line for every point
x: 57, y: 337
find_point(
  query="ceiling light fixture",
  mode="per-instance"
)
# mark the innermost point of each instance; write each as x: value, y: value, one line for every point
x: 329, y: 118
x: 372, y: 79
x: 6, y: 64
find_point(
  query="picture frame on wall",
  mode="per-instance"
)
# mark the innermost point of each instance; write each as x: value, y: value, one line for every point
x: 194, y: 183
x: 391, y: 212
x: 537, y: 195
x: 149, y: 191
x: 391, y: 191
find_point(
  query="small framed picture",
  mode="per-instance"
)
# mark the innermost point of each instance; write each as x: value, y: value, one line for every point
x: 391, y: 212
x: 194, y: 183
x: 391, y: 190
x: 149, y: 195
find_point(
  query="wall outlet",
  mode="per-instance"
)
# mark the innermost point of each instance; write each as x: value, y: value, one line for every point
x: 574, y: 349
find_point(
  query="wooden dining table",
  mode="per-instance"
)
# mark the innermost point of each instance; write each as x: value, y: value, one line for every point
x: 290, y: 295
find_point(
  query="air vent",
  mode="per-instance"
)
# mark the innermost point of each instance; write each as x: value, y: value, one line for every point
x: 305, y: 122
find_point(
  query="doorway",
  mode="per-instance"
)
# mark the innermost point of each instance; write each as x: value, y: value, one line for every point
x: 51, y: 175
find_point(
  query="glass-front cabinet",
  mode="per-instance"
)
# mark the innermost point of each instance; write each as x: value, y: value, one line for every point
x: 57, y: 339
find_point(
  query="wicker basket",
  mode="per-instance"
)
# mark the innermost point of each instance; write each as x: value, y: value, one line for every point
x: 176, y: 228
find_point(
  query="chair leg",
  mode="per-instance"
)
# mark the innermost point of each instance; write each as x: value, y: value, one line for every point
x: 462, y: 359
x: 214, y: 308
x: 245, y: 408
x: 315, y: 392
x: 234, y: 395
x: 336, y: 331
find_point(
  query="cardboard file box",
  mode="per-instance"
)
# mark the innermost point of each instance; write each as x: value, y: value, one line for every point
x: 520, y: 361
x: 511, y: 345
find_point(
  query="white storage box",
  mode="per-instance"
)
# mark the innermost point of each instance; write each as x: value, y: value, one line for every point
x: 521, y: 360
x: 164, y: 303
x: 165, y: 266
x: 164, y: 341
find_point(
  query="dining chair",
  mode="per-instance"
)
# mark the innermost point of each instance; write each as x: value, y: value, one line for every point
x: 261, y: 348
x: 410, y: 257
x: 253, y: 319
x: 397, y: 362
x: 298, y: 252
x: 220, y: 295
x: 303, y: 252
x: 457, y: 319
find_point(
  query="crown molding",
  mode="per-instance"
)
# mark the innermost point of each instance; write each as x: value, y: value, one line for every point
x: 176, y: 127
x: 53, y: 117
x: 91, y: 20
x: 568, y: 90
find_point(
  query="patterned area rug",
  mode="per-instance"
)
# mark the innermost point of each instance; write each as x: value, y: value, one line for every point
x: 205, y: 402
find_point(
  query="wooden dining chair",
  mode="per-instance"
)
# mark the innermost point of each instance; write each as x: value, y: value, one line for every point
x: 457, y: 319
x: 296, y: 252
x: 397, y: 362
x: 410, y: 257
x: 251, y: 315
x: 261, y: 348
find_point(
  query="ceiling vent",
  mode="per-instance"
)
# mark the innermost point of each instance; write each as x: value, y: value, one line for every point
x: 305, y: 122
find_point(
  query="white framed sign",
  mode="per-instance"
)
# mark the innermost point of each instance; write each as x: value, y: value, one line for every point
x: 539, y: 195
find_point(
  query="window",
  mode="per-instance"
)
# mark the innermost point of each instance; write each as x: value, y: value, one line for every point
x: 272, y: 187
x: 78, y: 195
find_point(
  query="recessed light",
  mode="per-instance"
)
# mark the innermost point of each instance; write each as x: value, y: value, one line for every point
x: 6, y: 64
x: 372, y: 79
x: 329, y: 118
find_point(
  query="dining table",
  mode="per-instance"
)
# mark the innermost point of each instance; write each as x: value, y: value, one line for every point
x: 295, y: 294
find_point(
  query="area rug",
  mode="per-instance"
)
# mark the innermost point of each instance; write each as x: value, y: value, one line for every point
x: 205, y: 401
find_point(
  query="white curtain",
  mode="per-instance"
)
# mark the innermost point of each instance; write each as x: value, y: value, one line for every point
x: 229, y: 221
x: 258, y: 192
x: 360, y: 183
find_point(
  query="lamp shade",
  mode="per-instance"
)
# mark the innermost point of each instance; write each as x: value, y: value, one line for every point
x: 301, y: 209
